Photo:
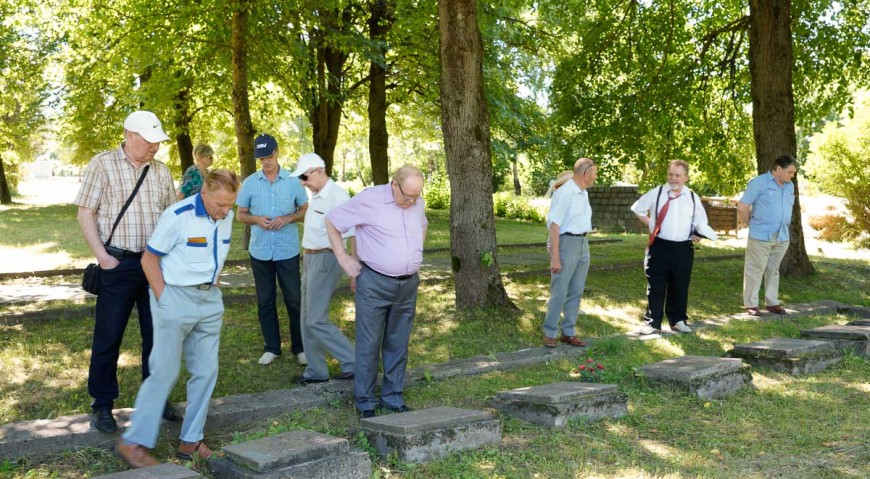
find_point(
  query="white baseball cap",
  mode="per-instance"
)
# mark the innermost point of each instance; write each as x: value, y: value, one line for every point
x: 146, y: 124
x: 307, y: 162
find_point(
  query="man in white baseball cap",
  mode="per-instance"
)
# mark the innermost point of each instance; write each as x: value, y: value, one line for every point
x: 117, y: 241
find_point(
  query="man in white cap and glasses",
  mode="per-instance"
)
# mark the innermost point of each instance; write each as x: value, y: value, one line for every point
x: 117, y: 242
x: 272, y: 202
x: 320, y: 275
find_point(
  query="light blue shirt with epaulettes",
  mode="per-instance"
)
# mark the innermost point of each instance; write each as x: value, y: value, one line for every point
x: 264, y: 198
x: 192, y: 246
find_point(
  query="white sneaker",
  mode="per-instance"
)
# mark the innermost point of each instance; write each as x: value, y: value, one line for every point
x: 646, y: 330
x: 302, y: 359
x: 682, y: 327
x: 267, y: 358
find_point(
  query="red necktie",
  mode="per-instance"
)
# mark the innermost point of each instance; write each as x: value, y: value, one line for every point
x: 660, y: 218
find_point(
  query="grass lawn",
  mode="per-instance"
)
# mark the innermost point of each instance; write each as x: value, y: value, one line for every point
x: 787, y: 427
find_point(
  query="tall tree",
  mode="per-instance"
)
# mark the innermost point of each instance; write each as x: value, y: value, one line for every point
x: 465, y: 123
x: 241, y: 108
x: 773, y: 119
x: 379, y: 24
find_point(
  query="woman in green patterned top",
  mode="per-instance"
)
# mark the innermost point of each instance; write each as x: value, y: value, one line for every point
x: 191, y: 182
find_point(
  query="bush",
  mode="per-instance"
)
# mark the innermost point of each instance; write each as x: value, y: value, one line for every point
x: 838, y: 163
x: 437, y: 192
x: 832, y: 227
x: 508, y: 205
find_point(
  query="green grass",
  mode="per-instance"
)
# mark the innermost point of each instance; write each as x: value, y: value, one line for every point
x: 48, y: 237
x: 813, y: 426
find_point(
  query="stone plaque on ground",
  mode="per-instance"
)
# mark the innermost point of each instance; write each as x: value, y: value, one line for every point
x: 427, y: 434
x: 705, y: 377
x: 846, y: 338
x: 859, y: 322
x: 554, y: 405
x: 294, y: 454
x: 163, y: 471
x: 793, y: 356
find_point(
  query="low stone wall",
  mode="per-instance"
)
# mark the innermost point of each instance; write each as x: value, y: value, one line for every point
x: 611, y: 209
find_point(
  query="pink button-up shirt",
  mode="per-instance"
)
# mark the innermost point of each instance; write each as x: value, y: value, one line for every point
x: 389, y: 239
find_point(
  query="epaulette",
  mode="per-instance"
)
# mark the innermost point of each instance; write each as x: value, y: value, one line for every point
x: 184, y: 208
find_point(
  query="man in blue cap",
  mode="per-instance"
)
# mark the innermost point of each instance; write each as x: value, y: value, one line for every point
x: 272, y: 201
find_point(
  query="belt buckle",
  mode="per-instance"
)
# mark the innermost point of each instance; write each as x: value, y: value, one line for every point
x: 204, y: 287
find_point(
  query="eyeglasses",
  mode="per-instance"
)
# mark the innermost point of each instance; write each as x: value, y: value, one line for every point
x: 407, y: 197
x: 305, y: 176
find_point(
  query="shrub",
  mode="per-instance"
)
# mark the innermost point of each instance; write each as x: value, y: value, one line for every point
x: 437, y: 192
x: 508, y: 205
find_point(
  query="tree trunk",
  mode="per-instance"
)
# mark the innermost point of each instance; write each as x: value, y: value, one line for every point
x: 770, y: 65
x: 182, y: 127
x: 517, y: 189
x: 5, y: 191
x: 241, y: 108
x: 379, y: 23
x: 465, y: 125
x: 325, y: 116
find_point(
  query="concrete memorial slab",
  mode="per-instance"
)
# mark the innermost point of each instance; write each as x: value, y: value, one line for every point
x: 163, y: 471
x: 294, y: 454
x: 428, y: 434
x: 793, y: 356
x: 845, y: 338
x: 859, y: 322
x: 554, y: 405
x: 705, y: 377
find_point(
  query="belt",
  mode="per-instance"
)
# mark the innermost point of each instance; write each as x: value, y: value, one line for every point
x: 402, y: 277
x: 204, y: 286
x: 121, y: 254
x: 316, y: 251
x: 574, y: 234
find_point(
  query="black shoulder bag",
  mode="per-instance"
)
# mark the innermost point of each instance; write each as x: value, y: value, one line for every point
x: 91, y: 278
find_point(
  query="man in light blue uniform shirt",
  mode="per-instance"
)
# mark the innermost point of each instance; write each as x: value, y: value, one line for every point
x: 272, y: 201
x: 569, y: 221
x: 767, y: 207
x: 182, y: 261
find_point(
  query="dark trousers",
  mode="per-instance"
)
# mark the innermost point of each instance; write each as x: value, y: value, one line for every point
x: 289, y: 279
x: 120, y: 288
x: 385, y: 310
x: 668, y: 272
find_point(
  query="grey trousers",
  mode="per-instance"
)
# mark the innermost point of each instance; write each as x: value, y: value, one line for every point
x: 188, y: 321
x: 320, y: 276
x: 566, y: 287
x: 385, y: 309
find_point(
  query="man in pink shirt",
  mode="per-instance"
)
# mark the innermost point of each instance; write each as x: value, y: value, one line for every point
x: 390, y: 227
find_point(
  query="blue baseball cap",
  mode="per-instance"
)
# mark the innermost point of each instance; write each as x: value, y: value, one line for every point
x: 264, y: 145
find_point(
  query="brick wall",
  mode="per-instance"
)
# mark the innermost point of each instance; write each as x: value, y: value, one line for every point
x: 611, y: 209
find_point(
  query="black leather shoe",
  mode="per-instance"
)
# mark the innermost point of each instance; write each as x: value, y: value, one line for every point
x: 104, y: 421
x: 399, y: 409
x: 169, y: 413
x: 303, y: 381
x: 367, y: 414
x: 344, y: 376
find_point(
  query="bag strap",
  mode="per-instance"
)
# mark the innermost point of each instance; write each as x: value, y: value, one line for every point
x: 127, y: 204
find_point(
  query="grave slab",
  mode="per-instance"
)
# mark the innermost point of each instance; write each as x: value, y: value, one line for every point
x: 163, y: 471
x: 859, y: 322
x: 554, y: 405
x: 428, y: 434
x: 845, y: 338
x: 793, y: 356
x: 294, y: 454
x: 705, y: 377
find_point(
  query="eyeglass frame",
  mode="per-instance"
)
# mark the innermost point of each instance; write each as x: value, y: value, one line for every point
x: 305, y: 176
x: 407, y: 196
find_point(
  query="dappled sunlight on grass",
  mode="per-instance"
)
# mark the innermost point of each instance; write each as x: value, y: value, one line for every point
x: 35, y: 257
x: 656, y: 448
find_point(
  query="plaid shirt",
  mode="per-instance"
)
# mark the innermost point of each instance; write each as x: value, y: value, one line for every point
x: 108, y: 181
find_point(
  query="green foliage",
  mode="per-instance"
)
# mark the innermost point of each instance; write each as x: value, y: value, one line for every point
x: 437, y: 192
x: 508, y: 205
x: 486, y: 258
x: 838, y: 164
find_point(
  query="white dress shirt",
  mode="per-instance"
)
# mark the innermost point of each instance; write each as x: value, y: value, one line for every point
x: 314, y: 233
x: 570, y: 209
x: 678, y: 222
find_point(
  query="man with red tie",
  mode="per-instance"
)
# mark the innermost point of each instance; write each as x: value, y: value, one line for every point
x: 674, y: 214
